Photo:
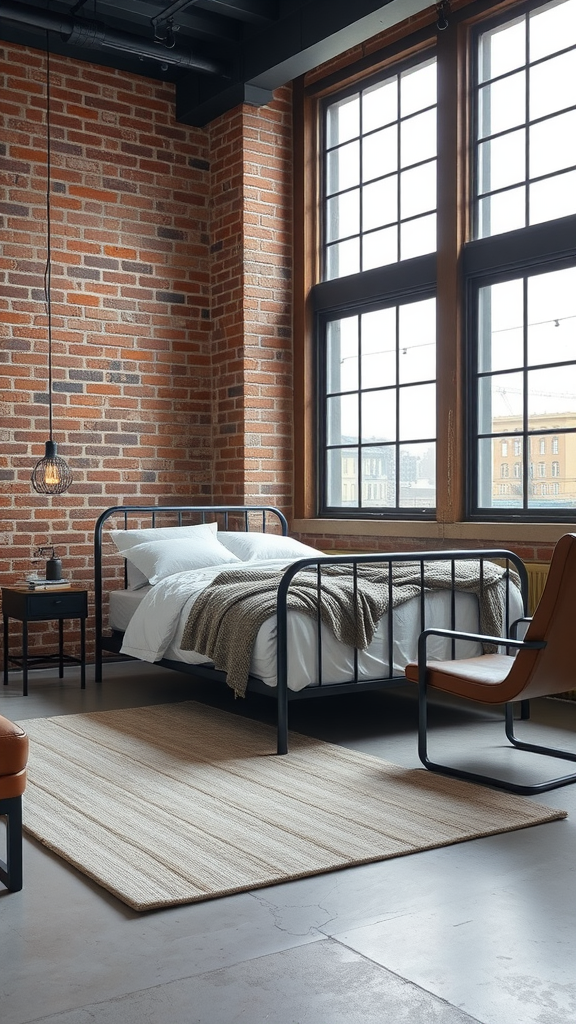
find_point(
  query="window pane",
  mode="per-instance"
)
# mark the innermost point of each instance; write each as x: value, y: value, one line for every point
x: 418, y: 138
x: 417, y: 237
x: 380, y: 248
x: 500, y: 326
x: 502, y: 161
x: 379, y: 477
x: 379, y: 415
x: 418, y: 190
x: 343, y: 121
x: 552, y: 28
x: 417, y: 412
x: 417, y: 476
x: 500, y: 477
x: 503, y: 212
x: 342, y: 419
x: 553, y: 144
x: 342, y: 355
x: 343, y: 259
x: 502, y: 49
x: 343, y: 215
x: 380, y: 203
x: 379, y: 348
x: 342, y: 477
x: 343, y: 168
x: 551, y: 392
x: 500, y: 402
x: 380, y: 153
x: 553, y: 197
x: 502, y: 105
x: 380, y: 105
x: 553, y: 85
x: 417, y: 342
x: 417, y: 88
x: 552, y: 317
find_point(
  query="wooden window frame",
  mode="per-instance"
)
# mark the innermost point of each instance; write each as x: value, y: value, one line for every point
x: 452, y: 521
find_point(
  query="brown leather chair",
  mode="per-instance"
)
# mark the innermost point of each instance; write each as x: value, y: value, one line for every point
x: 545, y: 663
x: 13, y: 761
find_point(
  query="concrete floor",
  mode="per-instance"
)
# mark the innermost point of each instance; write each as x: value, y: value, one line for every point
x: 480, y: 931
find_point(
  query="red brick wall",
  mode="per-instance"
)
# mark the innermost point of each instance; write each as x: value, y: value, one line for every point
x: 170, y: 300
x: 251, y: 201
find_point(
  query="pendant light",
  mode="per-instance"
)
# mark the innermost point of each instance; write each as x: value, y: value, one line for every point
x: 51, y: 475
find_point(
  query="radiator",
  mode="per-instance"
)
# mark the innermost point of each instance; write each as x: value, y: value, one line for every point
x: 537, y: 576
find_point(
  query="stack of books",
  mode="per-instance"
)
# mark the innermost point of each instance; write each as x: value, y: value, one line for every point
x: 39, y: 583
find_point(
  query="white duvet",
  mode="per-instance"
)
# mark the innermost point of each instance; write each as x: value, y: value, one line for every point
x: 155, y: 630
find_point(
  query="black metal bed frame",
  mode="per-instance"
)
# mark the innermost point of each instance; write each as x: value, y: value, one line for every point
x: 246, y: 515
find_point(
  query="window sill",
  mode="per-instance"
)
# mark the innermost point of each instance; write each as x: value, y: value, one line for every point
x: 491, y: 534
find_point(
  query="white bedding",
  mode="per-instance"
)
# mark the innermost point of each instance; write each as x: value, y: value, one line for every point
x: 157, y: 617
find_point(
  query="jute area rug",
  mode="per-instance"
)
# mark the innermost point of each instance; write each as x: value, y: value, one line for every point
x: 180, y: 802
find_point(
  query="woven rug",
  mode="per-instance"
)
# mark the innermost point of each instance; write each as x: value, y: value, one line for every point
x: 180, y: 802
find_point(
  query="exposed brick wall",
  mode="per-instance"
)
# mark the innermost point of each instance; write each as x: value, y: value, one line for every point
x: 154, y: 333
x: 251, y: 201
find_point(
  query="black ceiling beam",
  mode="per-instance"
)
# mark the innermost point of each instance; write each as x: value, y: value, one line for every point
x: 255, y: 12
x: 96, y: 37
x: 202, y: 25
x: 316, y: 32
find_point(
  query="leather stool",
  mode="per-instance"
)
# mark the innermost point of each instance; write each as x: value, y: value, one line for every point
x: 13, y: 761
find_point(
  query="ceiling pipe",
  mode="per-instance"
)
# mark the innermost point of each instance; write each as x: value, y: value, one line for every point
x: 96, y: 35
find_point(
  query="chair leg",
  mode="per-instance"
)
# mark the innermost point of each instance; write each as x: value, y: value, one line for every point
x: 487, y: 780
x: 11, y: 871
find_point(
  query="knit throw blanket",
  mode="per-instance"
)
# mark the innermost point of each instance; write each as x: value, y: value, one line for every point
x: 225, y: 619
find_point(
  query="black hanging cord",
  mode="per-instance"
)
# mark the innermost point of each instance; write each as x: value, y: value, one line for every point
x: 48, y: 268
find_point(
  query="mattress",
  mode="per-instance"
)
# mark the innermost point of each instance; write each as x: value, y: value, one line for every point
x: 154, y: 619
x: 123, y: 604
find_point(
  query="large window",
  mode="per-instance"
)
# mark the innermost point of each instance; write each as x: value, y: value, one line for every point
x: 526, y: 119
x: 380, y: 401
x: 524, y: 331
x: 377, y: 365
x: 526, y: 385
x: 380, y: 173
x: 445, y: 374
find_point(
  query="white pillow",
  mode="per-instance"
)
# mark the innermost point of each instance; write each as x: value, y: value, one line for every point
x: 126, y: 539
x: 251, y: 546
x: 157, y: 559
x: 134, y: 578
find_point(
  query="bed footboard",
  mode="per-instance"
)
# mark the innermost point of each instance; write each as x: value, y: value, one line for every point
x: 418, y: 565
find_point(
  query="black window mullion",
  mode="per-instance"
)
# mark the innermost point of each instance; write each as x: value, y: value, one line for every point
x: 398, y: 164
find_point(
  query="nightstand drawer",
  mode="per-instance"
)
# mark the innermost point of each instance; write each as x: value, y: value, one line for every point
x: 59, y: 605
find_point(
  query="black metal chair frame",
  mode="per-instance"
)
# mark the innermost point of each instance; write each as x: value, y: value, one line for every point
x: 459, y: 773
x: 11, y: 870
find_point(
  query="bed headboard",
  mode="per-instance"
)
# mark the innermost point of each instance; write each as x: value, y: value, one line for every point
x: 259, y: 518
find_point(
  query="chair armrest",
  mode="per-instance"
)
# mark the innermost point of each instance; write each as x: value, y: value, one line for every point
x: 453, y: 634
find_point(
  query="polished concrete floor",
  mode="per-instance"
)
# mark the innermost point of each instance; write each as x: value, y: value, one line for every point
x: 480, y: 931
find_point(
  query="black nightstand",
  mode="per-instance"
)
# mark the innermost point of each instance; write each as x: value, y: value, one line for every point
x: 39, y: 606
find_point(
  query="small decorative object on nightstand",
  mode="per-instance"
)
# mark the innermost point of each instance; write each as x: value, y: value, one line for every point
x: 29, y: 605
